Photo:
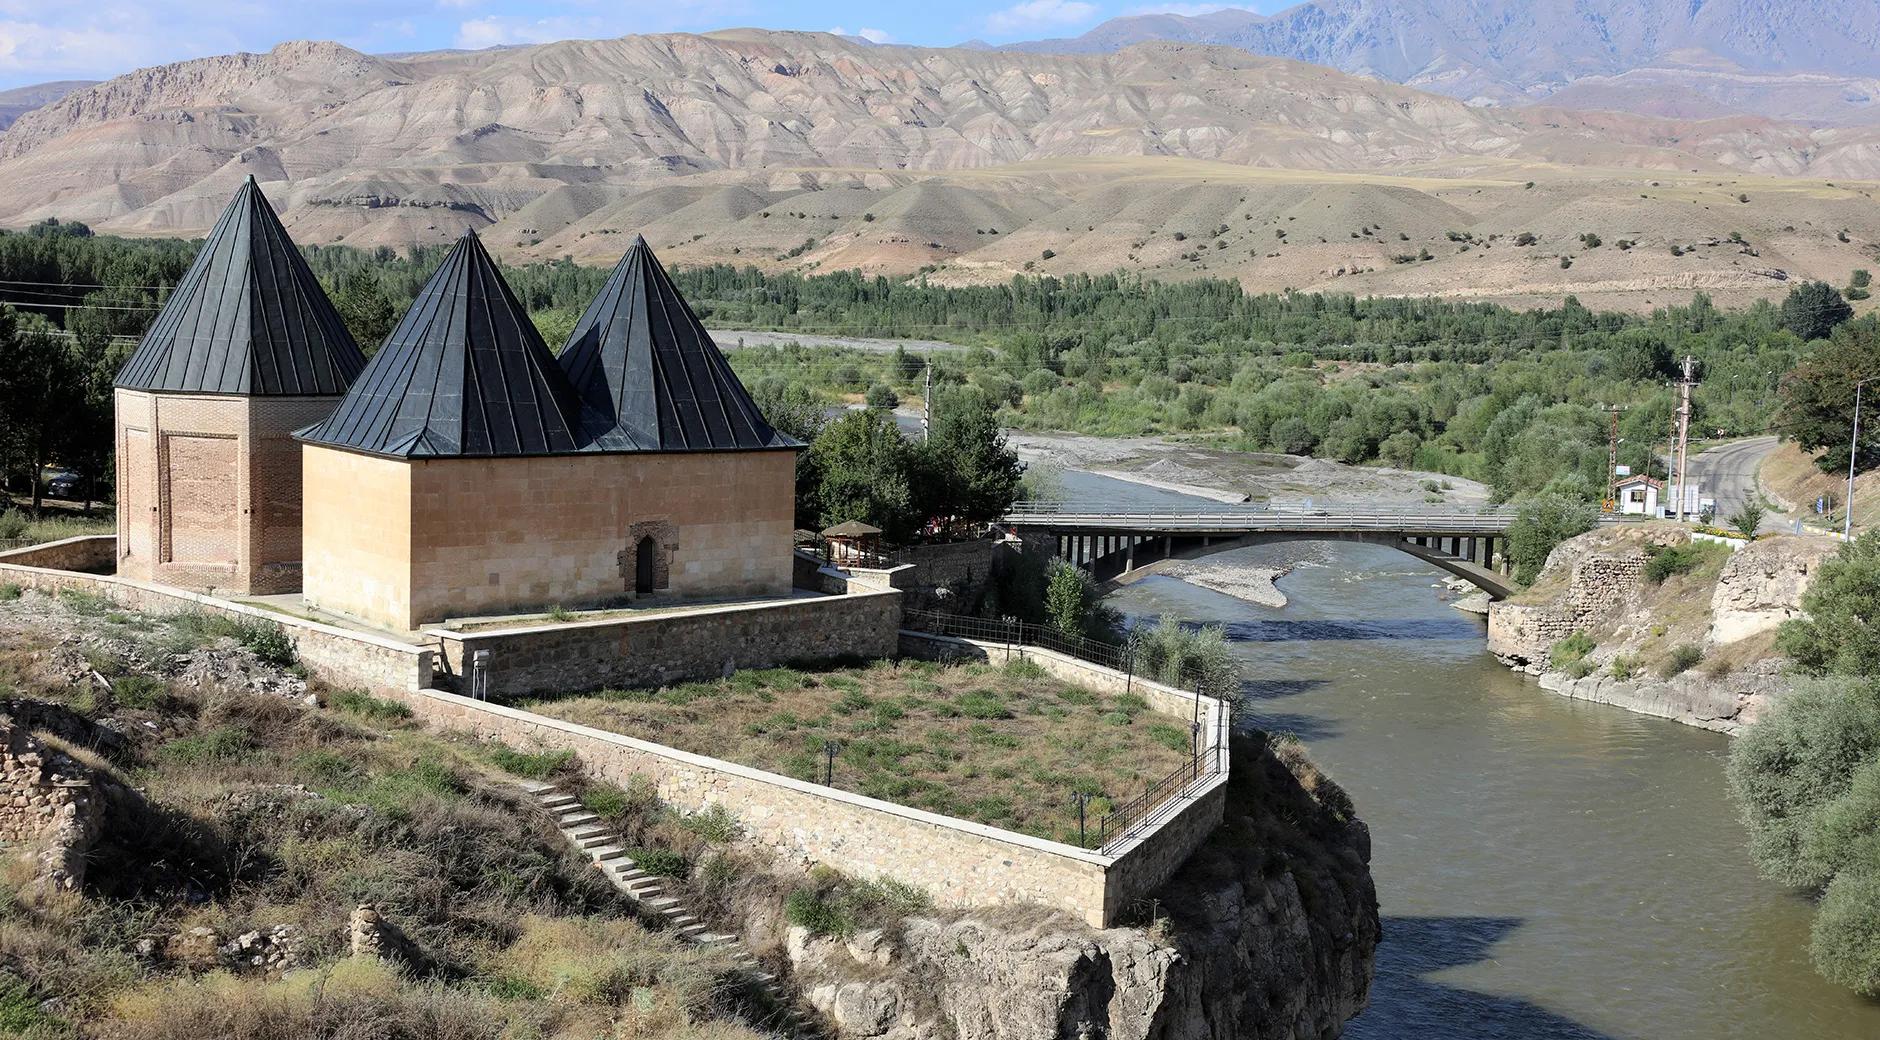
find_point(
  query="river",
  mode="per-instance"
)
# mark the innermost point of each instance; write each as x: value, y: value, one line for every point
x: 1545, y: 868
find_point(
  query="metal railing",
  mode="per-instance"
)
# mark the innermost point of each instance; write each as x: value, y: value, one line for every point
x: 1125, y: 820
x: 1122, y: 820
x: 1242, y: 519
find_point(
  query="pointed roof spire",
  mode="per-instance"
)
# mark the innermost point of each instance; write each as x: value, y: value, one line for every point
x: 649, y: 375
x: 464, y: 374
x: 248, y: 317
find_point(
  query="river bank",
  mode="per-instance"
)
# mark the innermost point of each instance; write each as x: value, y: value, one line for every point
x: 1262, y: 478
x: 1696, y: 645
x: 1547, y: 868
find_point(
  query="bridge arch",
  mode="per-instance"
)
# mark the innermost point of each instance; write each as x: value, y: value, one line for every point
x: 1454, y: 559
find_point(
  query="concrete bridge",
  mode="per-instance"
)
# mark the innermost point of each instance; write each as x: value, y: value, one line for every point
x: 1469, y: 543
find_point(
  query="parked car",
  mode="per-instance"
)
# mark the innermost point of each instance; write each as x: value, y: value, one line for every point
x: 64, y: 484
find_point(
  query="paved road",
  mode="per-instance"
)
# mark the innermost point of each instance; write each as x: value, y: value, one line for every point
x: 1727, y: 473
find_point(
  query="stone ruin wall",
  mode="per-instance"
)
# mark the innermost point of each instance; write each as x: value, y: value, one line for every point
x: 47, y: 805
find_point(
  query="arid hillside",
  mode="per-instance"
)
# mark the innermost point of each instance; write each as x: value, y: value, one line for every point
x: 810, y: 152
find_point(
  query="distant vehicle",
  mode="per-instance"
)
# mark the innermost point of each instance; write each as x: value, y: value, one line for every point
x: 64, y: 484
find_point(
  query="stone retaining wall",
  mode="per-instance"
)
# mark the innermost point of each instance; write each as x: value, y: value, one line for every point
x: 337, y: 656
x: 46, y: 803
x: 655, y: 649
x: 957, y: 862
x: 89, y: 553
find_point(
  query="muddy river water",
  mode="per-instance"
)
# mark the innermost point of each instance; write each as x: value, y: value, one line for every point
x: 1545, y: 868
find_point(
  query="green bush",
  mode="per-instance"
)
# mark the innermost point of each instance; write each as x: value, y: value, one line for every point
x: 1683, y: 658
x: 222, y: 744
x: 19, y: 1010
x: 1793, y: 763
x: 1674, y: 559
x: 1571, y: 650
x: 1543, y: 522
x: 268, y: 641
x: 1837, y: 632
x: 1186, y: 656
x: 9, y: 591
x: 660, y: 862
x: 1846, y: 832
x: 535, y: 766
x: 1844, y: 942
x: 1624, y: 667
x: 366, y: 706
x: 715, y: 824
x: 810, y: 909
x: 138, y: 691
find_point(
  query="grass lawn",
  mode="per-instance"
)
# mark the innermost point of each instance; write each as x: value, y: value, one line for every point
x: 1005, y: 746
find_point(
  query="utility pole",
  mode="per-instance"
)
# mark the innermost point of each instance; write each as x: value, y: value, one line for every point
x: 1684, y: 433
x: 1612, y: 464
x: 1853, y: 453
x: 926, y: 404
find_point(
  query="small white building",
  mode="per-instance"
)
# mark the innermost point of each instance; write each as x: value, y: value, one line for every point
x: 1638, y: 495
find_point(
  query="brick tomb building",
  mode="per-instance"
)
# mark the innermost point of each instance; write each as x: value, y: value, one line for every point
x: 246, y: 350
x: 471, y: 472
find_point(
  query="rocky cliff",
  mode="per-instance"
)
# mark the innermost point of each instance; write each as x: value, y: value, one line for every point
x: 1696, y: 647
x: 1266, y: 934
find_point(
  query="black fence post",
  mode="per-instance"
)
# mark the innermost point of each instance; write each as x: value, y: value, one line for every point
x: 1082, y: 800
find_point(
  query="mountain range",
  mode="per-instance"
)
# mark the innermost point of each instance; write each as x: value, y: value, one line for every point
x: 1813, y: 60
x: 807, y: 151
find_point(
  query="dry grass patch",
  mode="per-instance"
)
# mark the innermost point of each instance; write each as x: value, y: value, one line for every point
x: 1006, y: 746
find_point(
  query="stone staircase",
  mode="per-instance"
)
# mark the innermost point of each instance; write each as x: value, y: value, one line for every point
x: 598, y: 842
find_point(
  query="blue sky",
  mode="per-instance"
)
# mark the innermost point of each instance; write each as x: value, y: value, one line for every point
x: 95, y: 39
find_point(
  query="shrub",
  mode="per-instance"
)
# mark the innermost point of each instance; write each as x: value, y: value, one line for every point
x: 813, y: 910
x: 660, y: 862
x: 366, y: 706
x: 1747, y: 519
x: 1844, y: 942
x: 1792, y: 764
x: 535, y: 766
x: 1836, y: 632
x: 1624, y: 667
x: 1683, y: 657
x: 1571, y: 650
x: 1185, y: 655
x: 715, y: 824
x: 268, y: 641
x: 221, y: 744
x: 1543, y: 522
x: 79, y: 601
x: 138, y: 691
x: 9, y: 591
x: 1673, y: 559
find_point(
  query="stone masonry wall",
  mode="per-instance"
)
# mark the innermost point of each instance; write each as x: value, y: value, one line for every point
x: 337, y: 656
x: 1600, y: 586
x: 47, y: 804
x: 89, y: 553
x: 660, y: 648
x: 958, y: 863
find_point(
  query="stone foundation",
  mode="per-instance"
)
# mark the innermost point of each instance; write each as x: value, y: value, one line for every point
x: 48, y: 805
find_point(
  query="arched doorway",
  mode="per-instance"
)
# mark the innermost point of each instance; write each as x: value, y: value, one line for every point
x: 645, y: 564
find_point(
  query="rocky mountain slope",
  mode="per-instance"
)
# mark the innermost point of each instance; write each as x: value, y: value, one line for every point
x: 21, y: 100
x: 1714, y: 56
x: 807, y: 151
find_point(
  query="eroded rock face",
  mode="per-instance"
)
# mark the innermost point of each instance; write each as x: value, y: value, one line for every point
x: 1762, y: 586
x: 1267, y: 933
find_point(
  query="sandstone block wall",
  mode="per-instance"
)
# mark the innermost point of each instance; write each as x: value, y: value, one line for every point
x: 951, y: 576
x: 1762, y: 584
x: 660, y: 648
x: 89, y: 553
x: 209, y: 489
x: 957, y: 862
x: 466, y: 537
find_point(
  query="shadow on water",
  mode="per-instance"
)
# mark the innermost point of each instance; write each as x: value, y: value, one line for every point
x: 1305, y: 727
x: 1405, y: 1005
x: 1266, y: 630
x: 1274, y: 689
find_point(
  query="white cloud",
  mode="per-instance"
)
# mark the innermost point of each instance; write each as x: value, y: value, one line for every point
x: 871, y: 35
x: 1039, y: 14
x: 502, y: 30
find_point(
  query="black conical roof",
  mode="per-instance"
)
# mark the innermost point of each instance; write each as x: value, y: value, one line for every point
x: 464, y: 373
x: 248, y: 318
x: 649, y: 375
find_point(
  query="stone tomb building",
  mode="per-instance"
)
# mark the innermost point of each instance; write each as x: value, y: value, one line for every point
x: 471, y: 472
x: 246, y: 350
